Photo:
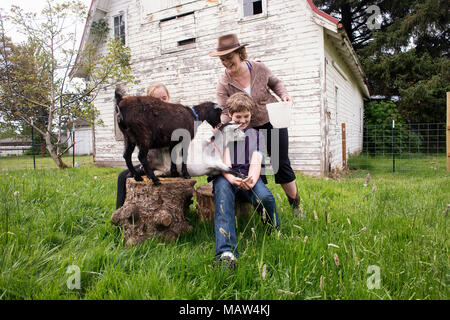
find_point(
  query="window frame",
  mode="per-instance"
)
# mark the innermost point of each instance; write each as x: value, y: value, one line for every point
x: 242, y: 18
x: 122, y: 24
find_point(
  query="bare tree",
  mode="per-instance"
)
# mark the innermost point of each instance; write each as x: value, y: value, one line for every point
x: 36, y: 81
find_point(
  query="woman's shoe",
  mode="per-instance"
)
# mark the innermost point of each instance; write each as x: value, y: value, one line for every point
x: 295, y: 204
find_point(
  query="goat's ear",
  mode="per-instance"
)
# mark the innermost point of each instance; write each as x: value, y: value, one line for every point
x: 119, y: 93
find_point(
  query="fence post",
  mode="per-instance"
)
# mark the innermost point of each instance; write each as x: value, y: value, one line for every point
x: 448, y: 131
x: 73, y: 149
x: 393, y: 146
x: 32, y: 146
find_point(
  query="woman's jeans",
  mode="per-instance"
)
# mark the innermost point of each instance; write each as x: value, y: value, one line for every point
x: 224, y: 199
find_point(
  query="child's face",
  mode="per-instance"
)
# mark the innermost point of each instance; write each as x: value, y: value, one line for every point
x: 161, y: 94
x: 243, y: 118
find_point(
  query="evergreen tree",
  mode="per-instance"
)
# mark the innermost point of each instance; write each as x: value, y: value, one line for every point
x: 353, y: 16
x: 408, y: 56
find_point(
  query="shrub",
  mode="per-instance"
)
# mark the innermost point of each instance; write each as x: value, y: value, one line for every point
x: 380, y: 137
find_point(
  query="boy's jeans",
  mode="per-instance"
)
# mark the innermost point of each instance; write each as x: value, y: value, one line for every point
x: 224, y: 199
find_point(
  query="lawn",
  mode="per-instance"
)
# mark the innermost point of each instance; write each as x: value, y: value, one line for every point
x: 384, y: 242
x: 407, y: 163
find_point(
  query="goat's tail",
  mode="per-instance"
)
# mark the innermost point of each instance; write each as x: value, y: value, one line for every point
x: 118, y: 96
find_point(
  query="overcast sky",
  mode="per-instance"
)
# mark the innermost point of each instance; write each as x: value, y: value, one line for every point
x: 33, y: 6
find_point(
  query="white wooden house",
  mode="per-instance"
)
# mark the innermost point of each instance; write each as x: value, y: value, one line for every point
x: 303, y: 46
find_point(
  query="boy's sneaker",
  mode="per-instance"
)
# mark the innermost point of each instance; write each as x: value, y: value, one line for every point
x: 227, y: 259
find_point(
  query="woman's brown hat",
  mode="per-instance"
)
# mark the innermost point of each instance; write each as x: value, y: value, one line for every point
x: 226, y: 44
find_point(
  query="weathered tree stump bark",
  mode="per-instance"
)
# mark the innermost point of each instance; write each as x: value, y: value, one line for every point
x: 155, y: 211
x: 205, y: 204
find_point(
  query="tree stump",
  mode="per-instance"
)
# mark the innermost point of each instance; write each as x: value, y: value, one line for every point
x: 205, y: 204
x: 155, y: 211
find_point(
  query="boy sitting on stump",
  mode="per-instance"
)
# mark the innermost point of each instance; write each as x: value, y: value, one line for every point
x: 245, y: 157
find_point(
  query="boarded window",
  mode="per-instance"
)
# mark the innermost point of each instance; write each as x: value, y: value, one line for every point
x: 252, y: 7
x: 178, y: 33
x: 119, y: 28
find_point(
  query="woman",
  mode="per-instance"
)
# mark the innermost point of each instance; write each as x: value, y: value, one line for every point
x: 256, y: 79
x: 156, y: 90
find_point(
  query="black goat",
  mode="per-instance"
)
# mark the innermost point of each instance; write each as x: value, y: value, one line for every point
x: 150, y: 123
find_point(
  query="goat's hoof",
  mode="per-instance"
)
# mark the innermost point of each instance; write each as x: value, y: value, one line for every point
x: 174, y: 174
x: 186, y: 176
x: 155, y: 180
x: 138, y: 178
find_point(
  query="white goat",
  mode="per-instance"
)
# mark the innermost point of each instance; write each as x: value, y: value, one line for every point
x: 204, y: 156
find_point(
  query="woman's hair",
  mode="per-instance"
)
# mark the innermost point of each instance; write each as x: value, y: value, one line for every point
x: 242, y: 53
x: 156, y: 85
x: 240, y: 102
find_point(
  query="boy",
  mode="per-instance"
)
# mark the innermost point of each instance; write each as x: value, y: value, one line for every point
x: 245, y: 157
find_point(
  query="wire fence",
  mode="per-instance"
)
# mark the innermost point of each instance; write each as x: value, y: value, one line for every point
x: 30, y: 152
x: 387, y: 148
x: 402, y: 147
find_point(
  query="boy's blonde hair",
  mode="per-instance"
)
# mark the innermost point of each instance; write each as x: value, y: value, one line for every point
x: 240, y: 102
x: 156, y: 85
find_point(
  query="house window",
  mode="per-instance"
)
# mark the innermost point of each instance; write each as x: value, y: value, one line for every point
x: 185, y: 42
x: 252, y: 7
x: 250, y: 10
x: 119, y: 28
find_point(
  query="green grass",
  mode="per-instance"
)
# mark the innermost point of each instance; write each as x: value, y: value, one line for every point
x: 407, y: 163
x: 52, y: 219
